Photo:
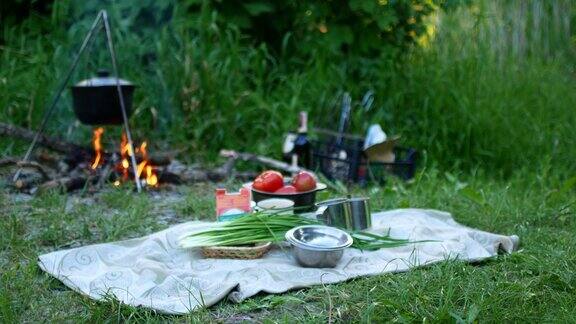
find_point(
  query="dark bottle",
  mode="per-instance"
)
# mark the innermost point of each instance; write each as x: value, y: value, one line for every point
x: 302, y: 146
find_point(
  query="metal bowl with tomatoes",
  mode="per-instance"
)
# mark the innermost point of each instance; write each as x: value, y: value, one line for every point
x: 301, y: 188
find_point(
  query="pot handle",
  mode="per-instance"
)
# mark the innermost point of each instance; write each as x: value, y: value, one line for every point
x: 320, y: 214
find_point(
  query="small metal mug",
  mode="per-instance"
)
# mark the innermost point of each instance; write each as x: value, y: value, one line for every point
x: 348, y: 213
x: 361, y: 216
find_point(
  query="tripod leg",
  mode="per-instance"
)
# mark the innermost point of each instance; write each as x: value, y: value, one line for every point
x: 122, y: 105
x: 61, y: 88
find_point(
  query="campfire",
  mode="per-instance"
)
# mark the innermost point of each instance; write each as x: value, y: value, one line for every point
x: 120, y: 162
x: 68, y: 166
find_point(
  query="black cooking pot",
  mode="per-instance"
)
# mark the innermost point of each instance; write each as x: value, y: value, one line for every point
x: 96, y: 100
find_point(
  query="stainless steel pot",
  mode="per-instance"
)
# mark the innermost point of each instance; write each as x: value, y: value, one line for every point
x: 348, y: 213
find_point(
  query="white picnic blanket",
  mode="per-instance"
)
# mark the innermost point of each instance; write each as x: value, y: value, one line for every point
x: 152, y: 271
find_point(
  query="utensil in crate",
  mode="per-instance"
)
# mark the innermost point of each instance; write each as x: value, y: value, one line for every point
x: 337, y: 150
x: 360, y: 170
x: 343, y: 167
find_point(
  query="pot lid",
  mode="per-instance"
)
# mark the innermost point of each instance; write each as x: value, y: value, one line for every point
x: 102, y: 79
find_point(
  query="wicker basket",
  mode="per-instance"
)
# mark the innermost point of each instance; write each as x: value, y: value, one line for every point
x: 236, y: 252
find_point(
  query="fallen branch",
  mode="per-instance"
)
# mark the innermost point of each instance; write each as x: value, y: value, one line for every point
x: 53, y: 143
x: 28, y: 182
x: 275, y: 164
x: 30, y: 164
x: 163, y: 158
x: 178, y: 173
x: 104, y: 176
x: 224, y: 171
x: 67, y: 184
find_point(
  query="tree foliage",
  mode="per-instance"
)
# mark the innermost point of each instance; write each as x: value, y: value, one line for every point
x: 302, y: 28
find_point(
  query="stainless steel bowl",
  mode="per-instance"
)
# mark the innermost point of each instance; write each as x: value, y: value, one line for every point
x: 318, y: 246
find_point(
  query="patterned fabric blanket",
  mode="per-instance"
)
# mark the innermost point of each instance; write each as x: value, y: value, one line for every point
x: 152, y: 271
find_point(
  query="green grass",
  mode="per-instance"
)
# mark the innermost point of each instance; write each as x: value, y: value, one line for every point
x: 489, y: 90
x: 535, y: 284
x: 489, y: 102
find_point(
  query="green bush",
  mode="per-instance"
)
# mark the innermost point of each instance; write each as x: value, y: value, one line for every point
x: 350, y: 27
x: 228, y: 49
x: 487, y: 88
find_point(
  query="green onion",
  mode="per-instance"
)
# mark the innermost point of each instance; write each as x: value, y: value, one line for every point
x: 272, y: 227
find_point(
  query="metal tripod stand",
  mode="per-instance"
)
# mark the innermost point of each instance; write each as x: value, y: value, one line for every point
x: 101, y: 18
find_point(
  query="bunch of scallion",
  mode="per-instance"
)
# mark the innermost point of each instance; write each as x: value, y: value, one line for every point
x: 271, y: 227
x: 245, y: 230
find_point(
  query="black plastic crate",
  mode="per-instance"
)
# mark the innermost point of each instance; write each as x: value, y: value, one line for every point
x: 345, y: 161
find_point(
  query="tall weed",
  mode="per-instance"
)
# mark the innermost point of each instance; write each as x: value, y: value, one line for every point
x: 490, y: 87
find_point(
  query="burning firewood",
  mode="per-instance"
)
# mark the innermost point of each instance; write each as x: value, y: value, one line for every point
x: 78, y: 167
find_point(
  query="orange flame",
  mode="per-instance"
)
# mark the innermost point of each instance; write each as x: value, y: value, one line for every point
x: 97, y: 144
x: 144, y: 162
x: 144, y: 169
x: 151, y: 178
x: 124, y: 154
x: 124, y: 147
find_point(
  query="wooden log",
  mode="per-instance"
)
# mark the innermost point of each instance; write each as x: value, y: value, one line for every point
x: 66, y: 184
x: 105, y: 174
x: 165, y: 177
x: 225, y: 171
x: 164, y: 157
x: 159, y: 159
x: 53, y: 160
x: 193, y: 175
x: 30, y: 164
x: 202, y: 176
x: 28, y: 181
x: 53, y: 143
x: 178, y: 173
x: 273, y: 163
x: 245, y: 176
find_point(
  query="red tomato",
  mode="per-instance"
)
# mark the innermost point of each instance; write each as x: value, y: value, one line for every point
x: 268, y: 181
x: 286, y: 190
x: 304, y: 181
